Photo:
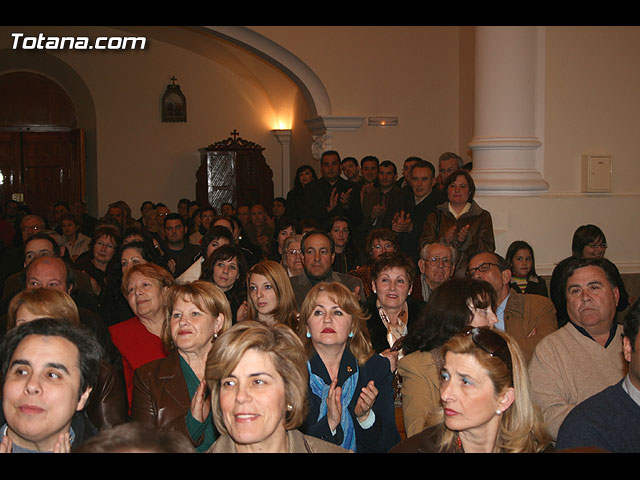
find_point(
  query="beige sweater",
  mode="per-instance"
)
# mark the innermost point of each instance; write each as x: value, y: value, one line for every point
x: 568, y: 367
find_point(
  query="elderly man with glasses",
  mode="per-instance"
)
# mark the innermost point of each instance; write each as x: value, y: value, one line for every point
x: 436, y: 266
x: 526, y: 317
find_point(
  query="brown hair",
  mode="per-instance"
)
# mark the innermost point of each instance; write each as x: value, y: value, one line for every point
x: 286, y: 309
x: 393, y: 260
x: 380, y: 234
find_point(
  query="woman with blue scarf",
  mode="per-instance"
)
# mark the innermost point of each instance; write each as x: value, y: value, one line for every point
x: 350, y: 388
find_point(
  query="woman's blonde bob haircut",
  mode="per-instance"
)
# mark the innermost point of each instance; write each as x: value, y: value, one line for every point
x: 287, y: 308
x: 45, y: 302
x: 360, y: 344
x: 204, y: 295
x: 286, y: 352
x: 521, y: 427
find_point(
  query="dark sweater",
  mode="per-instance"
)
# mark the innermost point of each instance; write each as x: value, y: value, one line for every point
x: 609, y: 420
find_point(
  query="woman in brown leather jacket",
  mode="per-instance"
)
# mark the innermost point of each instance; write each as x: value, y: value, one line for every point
x: 460, y: 222
x: 171, y: 392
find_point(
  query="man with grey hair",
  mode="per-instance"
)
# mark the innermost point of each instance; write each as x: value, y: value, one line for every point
x: 436, y: 267
x: 448, y: 163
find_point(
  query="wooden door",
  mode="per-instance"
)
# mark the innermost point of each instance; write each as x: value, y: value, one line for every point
x: 10, y: 165
x: 44, y: 166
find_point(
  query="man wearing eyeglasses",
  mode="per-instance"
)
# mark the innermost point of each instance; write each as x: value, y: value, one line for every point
x: 584, y: 356
x: 436, y: 266
x: 448, y: 163
x: 526, y: 317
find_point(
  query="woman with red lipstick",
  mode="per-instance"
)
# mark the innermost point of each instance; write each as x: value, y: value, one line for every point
x: 171, y: 392
x: 451, y: 307
x: 270, y: 295
x: 139, y: 339
x: 486, y: 404
x: 258, y: 381
x: 460, y: 221
x: 350, y: 387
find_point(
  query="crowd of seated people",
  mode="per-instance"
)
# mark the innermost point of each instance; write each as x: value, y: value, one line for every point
x: 361, y: 313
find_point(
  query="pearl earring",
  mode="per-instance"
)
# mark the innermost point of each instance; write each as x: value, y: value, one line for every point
x: 289, y: 407
x: 498, y: 412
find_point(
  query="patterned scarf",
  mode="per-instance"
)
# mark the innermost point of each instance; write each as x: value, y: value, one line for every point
x: 321, y: 389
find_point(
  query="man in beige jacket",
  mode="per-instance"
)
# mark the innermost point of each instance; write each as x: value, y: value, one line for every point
x: 527, y: 318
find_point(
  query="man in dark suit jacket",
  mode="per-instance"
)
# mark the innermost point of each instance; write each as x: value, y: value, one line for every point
x: 331, y: 195
x: 376, y: 200
x: 414, y: 204
x: 317, y: 256
x: 403, y: 181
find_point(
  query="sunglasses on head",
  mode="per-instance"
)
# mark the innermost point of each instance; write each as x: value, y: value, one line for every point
x: 492, y: 343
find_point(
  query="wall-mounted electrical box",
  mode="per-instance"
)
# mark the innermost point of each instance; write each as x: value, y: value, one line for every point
x: 596, y: 173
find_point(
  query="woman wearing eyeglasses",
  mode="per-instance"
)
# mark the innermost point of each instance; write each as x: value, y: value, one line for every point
x: 460, y: 221
x: 379, y: 241
x: 455, y: 304
x: 292, y: 255
x: 486, y: 404
x: 588, y: 241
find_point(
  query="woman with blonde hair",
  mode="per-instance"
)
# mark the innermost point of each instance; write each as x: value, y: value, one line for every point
x: 486, y: 402
x: 350, y: 388
x: 171, y: 392
x: 258, y: 372
x: 107, y: 404
x: 41, y: 302
x: 270, y: 295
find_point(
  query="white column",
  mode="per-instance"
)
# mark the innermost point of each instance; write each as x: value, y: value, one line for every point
x: 509, y: 105
x: 284, y: 138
